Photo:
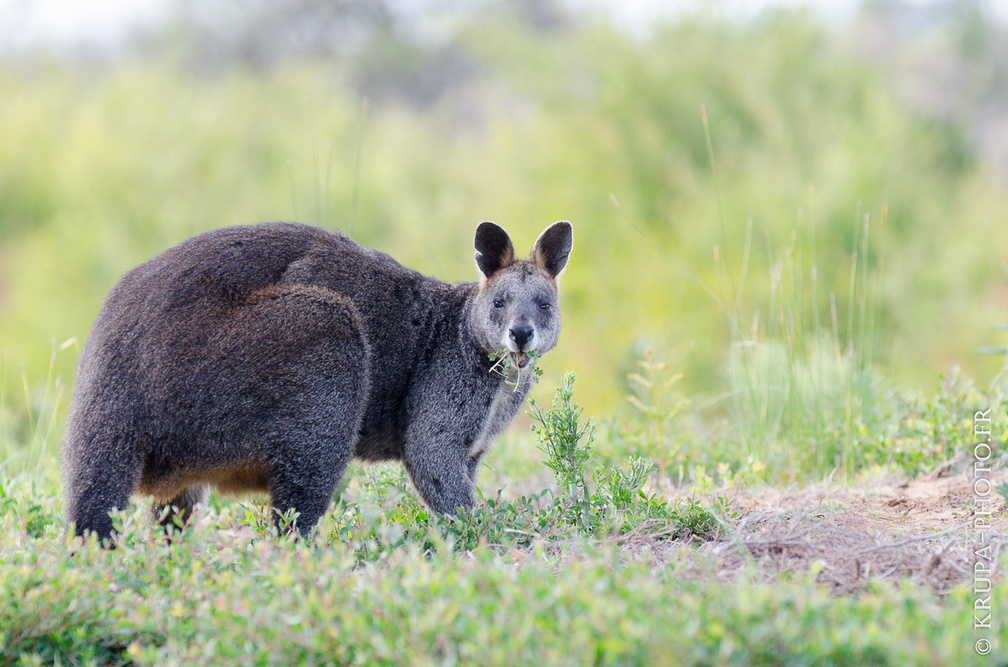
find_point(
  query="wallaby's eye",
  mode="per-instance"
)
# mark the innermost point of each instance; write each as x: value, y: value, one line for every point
x: 498, y: 303
x: 544, y: 306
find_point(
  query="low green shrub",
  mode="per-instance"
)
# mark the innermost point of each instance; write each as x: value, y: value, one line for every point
x: 205, y: 600
x: 382, y: 515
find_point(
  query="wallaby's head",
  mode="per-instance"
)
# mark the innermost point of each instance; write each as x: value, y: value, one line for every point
x: 517, y: 309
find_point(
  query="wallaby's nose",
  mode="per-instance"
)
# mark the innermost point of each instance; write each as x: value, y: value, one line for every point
x: 521, y: 335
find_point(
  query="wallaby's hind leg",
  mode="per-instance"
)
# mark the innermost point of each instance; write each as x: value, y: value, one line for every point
x: 98, y: 479
x: 175, y: 514
x: 307, y: 485
x: 317, y: 438
x: 319, y: 390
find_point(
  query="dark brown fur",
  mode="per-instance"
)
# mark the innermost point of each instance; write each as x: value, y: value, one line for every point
x: 265, y: 357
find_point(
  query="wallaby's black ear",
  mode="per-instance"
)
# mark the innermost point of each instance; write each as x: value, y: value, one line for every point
x: 494, y: 250
x: 553, y: 247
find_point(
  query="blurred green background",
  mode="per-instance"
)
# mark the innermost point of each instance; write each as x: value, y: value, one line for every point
x: 776, y: 183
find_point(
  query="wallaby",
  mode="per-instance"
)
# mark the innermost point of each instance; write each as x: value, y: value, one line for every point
x: 266, y: 357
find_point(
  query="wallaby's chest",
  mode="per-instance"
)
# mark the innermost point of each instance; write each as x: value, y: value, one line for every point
x: 505, y: 404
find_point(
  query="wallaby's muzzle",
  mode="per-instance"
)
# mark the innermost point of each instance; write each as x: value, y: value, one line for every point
x: 521, y: 335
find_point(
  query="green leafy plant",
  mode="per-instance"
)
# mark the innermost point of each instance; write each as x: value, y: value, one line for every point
x: 505, y: 364
x: 567, y: 441
x: 658, y: 429
x: 621, y: 486
x: 661, y: 426
x: 614, y: 499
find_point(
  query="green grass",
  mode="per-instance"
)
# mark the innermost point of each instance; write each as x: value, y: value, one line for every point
x: 209, y: 598
x: 542, y: 578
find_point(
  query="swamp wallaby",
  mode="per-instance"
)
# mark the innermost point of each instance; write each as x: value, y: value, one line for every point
x: 266, y: 357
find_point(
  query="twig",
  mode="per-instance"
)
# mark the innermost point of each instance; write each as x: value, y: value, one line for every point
x: 915, y: 538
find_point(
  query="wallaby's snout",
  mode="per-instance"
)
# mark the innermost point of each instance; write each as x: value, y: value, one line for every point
x: 522, y: 339
x: 521, y: 335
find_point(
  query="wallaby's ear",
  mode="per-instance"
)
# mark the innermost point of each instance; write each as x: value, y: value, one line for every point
x: 553, y: 247
x: 494, y: 250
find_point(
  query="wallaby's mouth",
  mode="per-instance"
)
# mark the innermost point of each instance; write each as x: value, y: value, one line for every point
x: 521, y: 358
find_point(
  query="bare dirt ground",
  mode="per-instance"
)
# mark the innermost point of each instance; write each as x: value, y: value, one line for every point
x: 924, y: 531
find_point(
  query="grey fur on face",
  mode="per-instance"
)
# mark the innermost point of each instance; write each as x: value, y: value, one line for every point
x: 266, y: 357
x: 517, y: 308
